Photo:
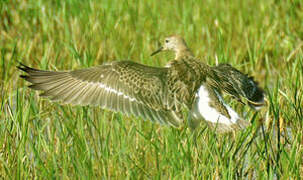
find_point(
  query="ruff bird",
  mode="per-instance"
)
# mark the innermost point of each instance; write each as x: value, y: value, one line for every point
x: 159, y: 94
x: 204, y: 86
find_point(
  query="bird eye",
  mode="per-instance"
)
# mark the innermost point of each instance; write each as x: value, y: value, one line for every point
x: 166, y: 41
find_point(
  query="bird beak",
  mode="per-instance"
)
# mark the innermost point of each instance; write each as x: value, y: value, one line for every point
x: 156, y: 52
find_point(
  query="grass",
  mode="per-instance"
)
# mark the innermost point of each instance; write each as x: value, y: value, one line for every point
x: 45, y: 140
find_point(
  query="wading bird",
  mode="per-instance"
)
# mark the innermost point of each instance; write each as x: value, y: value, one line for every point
x: 159, y: 94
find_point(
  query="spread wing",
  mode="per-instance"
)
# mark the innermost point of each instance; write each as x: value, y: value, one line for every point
x: 124, y: 86
x: 237, y: 84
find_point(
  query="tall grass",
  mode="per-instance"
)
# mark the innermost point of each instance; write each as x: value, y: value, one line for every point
x: 48, y: 140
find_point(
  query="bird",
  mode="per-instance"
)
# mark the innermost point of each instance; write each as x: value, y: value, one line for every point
x: 158, y: 94
x: 207, y: 85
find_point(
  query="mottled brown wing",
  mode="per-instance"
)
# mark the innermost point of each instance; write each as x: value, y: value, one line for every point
x: 227, y: 78
x: 124, y: 86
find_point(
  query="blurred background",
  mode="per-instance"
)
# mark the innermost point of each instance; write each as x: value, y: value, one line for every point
x: 47, y: 140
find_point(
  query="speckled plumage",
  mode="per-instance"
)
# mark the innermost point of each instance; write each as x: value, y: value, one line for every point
x: 157, y: 94
x: 194, y: 74
x: 124, y: 86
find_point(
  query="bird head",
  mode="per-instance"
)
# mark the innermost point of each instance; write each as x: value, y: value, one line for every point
x: 173, y: 43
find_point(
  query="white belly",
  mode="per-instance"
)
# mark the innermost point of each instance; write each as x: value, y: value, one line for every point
x: 210, y: 113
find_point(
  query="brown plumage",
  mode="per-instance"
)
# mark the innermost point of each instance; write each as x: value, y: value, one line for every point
x: 125, y: 86
x: 218, y: 79
x: 237, y: 84
x: 157, y: 94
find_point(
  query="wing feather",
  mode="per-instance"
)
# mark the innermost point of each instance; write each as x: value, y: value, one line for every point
x: 237, y: 84
x: 126, y: 87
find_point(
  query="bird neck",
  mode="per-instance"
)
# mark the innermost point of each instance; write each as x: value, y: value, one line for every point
x: 183, y: 52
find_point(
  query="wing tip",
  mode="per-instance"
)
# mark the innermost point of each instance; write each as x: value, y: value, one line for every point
x: 24, y: 77
x: 26, y: 68
x: 257, y: 103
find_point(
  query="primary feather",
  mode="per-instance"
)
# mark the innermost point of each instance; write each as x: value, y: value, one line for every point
x: 157, y: 94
